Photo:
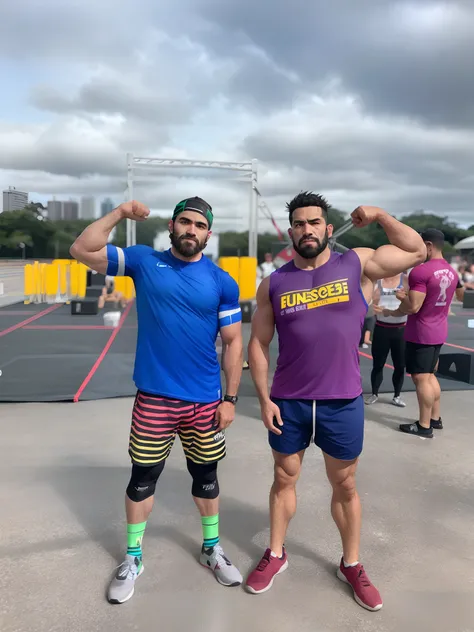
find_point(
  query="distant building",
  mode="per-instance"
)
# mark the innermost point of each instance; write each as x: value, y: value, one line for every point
x: 87, y: 208
x: 106, y: 207
x: 70, y: 210
x: 14, y: 200
x: 55, y: 210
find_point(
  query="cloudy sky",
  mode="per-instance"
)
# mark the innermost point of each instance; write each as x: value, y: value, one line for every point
x: 366, y: 101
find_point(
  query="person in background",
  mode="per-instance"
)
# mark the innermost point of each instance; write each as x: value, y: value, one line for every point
x: 111, y: 295
x: 368, y: 328
x: 267, y: 266
x: 388, y: 337
x: 432, y: 285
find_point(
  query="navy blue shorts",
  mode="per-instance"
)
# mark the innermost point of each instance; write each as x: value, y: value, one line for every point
x: 337, y: 426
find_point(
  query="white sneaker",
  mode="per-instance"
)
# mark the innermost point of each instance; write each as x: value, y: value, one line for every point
x: 122, y: 585
x: 372, y: 399
x: 397, y: 401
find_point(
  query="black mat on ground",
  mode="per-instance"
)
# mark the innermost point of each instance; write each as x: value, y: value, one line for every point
x: 50, y: 358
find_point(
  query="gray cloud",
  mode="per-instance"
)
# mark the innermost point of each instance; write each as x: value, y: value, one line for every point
x: 361, y: 100
x: 398, y: 57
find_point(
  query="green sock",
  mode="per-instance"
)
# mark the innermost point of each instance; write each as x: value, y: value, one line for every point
x: 210, y: 530
x: 134, y: 539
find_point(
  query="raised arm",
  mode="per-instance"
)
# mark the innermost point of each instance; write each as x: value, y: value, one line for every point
x: 263, y: 330
x: 406, y: 248
x: 90, y: 247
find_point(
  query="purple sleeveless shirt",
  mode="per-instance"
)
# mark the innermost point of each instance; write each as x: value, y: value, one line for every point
x: 319, y: 316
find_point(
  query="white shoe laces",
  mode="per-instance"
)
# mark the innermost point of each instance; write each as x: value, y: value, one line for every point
x: 128, y: 570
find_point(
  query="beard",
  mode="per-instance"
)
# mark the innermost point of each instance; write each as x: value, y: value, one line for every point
x: 310, y: 250
x: 187, y: 248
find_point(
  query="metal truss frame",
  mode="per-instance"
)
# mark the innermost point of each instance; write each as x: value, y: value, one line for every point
x: 248, y: 172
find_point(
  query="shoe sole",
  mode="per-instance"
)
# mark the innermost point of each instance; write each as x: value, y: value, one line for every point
x: 222, y: 583
x: 130, y: 595
x: 416, y: 434
x: 270, y: 584
x: 344, y: 579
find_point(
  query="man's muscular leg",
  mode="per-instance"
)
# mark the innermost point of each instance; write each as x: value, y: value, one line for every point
x: 287, y: 471
x: 345, y: 505
x: 347, y: 514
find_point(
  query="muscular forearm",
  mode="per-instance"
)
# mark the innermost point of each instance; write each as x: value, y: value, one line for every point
x: 396, y: 312
x: 232, y: 365
x: 401, y: 235
x: 259, y: 362
x: 403, y: 309
x: 96, y: 235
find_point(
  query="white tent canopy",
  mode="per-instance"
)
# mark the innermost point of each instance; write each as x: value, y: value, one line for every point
x: 465, y: 244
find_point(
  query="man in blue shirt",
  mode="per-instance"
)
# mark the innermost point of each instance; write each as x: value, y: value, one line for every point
x: 183, y: 302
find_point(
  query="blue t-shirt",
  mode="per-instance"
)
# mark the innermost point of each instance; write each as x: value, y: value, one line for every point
x: 181, y: 307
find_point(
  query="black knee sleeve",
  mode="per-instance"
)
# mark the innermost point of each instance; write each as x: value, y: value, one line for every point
x: 143, y: 481
x: 205, y: 483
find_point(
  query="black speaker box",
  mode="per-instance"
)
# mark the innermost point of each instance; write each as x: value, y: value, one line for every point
x: 468, y: 301
x: 459, y: 366
x: 84, y: 306
x: 95, y: 279
x: 247, y: 311
x: 93, y: 292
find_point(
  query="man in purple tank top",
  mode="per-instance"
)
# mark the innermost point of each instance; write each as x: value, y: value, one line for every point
x: 317, y: 303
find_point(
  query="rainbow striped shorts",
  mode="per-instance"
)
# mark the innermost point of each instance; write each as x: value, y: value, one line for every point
x: 157, y: 420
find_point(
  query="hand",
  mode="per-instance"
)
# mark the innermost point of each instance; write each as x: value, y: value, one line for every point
x: 401, y: 294
x: 134, y: 210
x: 365, y: 215
x: 377, y: 309
x: 225, y: 415
x: 271, y: 412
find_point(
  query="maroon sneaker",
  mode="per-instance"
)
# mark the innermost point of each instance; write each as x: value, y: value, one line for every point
x: 365, y: 592
x: 261, y: 579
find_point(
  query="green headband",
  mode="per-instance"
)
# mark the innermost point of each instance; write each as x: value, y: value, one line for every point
x: 197, y: 205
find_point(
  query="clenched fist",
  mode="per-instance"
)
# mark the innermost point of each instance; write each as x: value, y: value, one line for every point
x: 134, y: 210
x: 365, y: 215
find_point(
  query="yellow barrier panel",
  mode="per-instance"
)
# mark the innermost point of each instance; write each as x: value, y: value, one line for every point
x: 28, y: 283
x: 247, y: 278
x: 129, y: 288
x: 120, y: 284
x: 74, y: 278
x: 65, y: 261
x: 42, y: 273
x: 37, y: 276
x: 230, y: 265
x: 51, y: 282
x: 62, y: 278
x: 125, y: 286
x: 82, y: 280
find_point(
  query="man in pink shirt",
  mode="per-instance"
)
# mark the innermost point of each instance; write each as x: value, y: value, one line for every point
x: 431, y: 289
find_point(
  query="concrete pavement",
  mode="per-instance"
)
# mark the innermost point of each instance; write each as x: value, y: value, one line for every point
x: 63, y: 474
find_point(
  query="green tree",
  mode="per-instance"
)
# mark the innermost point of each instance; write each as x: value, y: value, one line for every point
x: 28, y: 227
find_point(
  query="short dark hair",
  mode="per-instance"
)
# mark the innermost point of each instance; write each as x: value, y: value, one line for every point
x: 305, y: 199
x: 434, y: 236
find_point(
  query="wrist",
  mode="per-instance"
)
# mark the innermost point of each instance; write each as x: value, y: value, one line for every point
x: 382, y: 216
x: 118, y: 213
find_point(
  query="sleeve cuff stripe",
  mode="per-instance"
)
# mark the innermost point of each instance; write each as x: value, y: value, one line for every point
x: 229, y: 312
x: 120, y: 262
x: 230, y: 320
